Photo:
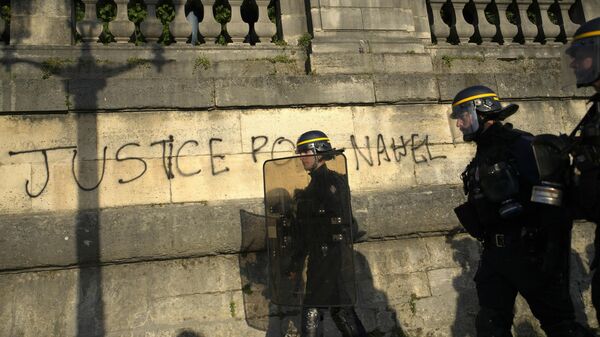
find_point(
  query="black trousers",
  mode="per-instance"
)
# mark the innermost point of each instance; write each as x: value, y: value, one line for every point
x: 505, y: 271
x: 345, y: 318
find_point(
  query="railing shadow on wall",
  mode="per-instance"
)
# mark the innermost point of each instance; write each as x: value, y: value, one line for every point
x: 88, y: 171
x: 503, y: 21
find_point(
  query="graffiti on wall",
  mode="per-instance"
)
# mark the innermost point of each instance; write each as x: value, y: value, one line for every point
x: 415, y: 148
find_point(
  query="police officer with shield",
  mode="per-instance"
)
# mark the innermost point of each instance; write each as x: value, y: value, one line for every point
x: 319, y: 238
x: 520, y: 254
x: 582, y: 67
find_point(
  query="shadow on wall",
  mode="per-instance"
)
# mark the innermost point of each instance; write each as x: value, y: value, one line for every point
x: 88, y: 168
x: 372, y: 306
x: 580, y: 282
x: 189, y: 333
x: 465, y: 252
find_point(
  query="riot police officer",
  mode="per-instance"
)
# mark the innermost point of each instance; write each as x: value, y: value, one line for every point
x: 519, y: 254
x: 583, y: 60
x: 322, y: 216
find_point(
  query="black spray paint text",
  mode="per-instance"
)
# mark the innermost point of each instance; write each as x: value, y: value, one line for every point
x: 171, y: 152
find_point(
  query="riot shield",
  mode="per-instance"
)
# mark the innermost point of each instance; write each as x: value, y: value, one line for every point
x: 309, y: 231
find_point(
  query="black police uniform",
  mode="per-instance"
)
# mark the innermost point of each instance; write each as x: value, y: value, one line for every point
x: 515, y: 254
x: 584, y: 194
x: 327, y: 244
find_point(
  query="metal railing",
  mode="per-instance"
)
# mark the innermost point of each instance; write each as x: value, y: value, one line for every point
x: 503, y: 21
x: 173, y: 21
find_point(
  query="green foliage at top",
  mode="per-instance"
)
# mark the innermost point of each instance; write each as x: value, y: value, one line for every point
x: 223, y: 14
x: 512, y: 17
x: 79, y: 11
x: 106, y: 12
x: 272, y: 14
x: 304, y: 40
x: 532, y: 17
x: 492, y: 17
x: 137, y: 12
x: 53, y: 66
x: 554, y: 17
x: 165, y: 13
x: 5, y: 12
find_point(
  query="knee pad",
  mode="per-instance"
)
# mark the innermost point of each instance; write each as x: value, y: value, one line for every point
x: 347, y: 322
x: 311, y: 322
x: 493, y: 323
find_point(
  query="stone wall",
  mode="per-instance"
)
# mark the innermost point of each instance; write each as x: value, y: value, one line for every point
x: 132, y: 176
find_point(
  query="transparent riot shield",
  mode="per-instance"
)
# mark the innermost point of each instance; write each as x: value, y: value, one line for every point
x: 309, y: 231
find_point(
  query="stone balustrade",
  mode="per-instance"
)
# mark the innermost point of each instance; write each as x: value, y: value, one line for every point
x: 504, y: 21
x: 167, y: 22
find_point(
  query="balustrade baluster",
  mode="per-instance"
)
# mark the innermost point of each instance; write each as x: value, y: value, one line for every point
x: 466, y: 19
x: 151, y: 26
x: 488, y: 30
x: 210, y: 28
x: 180, y: 27
x: 121, y: 27
x: 237, y: 28
x: 90, y: 27
x: 441, y: 30
x: 194, y: 14
x: 265, y: 29
x: 532, y: 31
x: 250, y: 14
x: 568, y: 23
x: 509, y: 21
x: 550, y: 28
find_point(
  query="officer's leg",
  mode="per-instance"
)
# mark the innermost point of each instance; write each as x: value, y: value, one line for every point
x: 347, y: 322
x: 496, y: 301
x: 311, y: 322
x: 596, y: 277
x: 550, y: 302
x: 596, y: 292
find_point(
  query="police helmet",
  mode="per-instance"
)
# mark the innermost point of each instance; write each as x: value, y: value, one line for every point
x: 314, y: 140
x: 584, y: 53
x: 473, y: 106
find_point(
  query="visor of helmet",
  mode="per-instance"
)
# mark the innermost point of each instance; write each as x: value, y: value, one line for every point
x: 463, y: 121
x: 580, y: 64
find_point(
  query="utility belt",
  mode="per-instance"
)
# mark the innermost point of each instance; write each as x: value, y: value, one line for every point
x: 502, y: 240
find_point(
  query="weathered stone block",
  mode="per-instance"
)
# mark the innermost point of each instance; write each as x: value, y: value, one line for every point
x: 387, y: 19
x: 342, y: 63
x: 442, y: 164
x: 360, y: 3
x: 400, y: 213
x: 220, y: 179
x: 403, y: 87
x: 540, y: 117
x: 341, y: 18
x: 13, y: 198
x: 40, y: 29
x: 46, y: 301
x: 451, y: 84
x: 269, y: 91
x: 30, y: 95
